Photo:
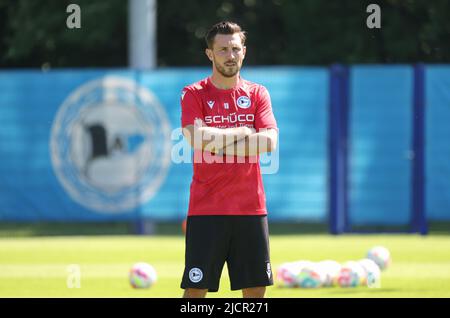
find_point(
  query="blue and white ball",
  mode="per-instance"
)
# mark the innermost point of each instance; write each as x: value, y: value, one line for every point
x: 142, y: 275
x: 381, y: 256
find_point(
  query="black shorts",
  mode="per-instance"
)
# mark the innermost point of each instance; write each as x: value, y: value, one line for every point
x: 241, y: 241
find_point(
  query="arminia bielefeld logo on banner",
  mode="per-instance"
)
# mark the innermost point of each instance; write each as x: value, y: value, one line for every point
x: 110, y: 144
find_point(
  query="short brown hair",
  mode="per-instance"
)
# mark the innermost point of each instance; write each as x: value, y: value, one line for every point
x: 224, y: 27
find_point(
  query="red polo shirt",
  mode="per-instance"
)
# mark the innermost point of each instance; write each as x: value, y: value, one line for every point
x: 224, y: 188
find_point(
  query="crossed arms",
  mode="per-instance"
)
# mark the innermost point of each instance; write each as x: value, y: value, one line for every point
x: 238, y: 141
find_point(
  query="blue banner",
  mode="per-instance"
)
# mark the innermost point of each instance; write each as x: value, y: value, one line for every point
x: 437, y: 145
x: 98, y: 145
x: 106, y: 145
x: 380, y: 130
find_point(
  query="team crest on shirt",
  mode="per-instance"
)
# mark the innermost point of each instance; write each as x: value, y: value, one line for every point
x: 244, y: 102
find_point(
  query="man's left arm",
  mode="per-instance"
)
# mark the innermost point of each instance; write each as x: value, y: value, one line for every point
x: 266, y: 136
x: 259, y: 142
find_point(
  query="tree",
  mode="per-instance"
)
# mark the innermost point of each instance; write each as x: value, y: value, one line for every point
x: 289, y: 32
x: 35, y: 34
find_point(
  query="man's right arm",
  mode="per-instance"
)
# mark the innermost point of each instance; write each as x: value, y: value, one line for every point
x: 200, y: 136
x: 213, y: 139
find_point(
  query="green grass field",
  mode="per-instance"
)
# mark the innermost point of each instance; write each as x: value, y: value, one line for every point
x: 38, y: 266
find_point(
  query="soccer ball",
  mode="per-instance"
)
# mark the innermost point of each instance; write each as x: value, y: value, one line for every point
x: 331, y: 269
x: 287, y: 273
x: 351, y: 274
x: 373, y: 274
x: 312, y: 276
x: 142, y: 275
x: 381, y: 256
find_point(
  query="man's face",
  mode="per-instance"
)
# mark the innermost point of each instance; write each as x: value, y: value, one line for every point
x: 227, y: 54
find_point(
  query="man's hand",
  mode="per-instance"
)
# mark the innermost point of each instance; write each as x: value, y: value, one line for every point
x: 202, y: 137
x: 256, y: 143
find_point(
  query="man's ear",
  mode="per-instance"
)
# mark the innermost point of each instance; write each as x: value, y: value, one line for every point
x: 244, y: 50
x: 208, y: 53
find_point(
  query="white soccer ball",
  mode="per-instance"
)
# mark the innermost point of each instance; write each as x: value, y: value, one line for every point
x: 373, y: 273
x: 285, y: 276
x: 331, y: 269
x: 311, y: 276
x: 381, y: 256
x: 287, y: 273
x: 142, y: 275
x: 351, y: 274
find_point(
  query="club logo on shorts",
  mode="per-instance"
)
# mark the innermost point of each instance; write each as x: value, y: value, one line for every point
x: 195, y: 275
x: 244, y: 102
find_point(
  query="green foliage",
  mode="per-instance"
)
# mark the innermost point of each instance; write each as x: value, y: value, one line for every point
x: 311, y: 32
x: 34, y: 33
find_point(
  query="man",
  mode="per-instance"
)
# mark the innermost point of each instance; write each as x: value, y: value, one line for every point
x: 228, y: 121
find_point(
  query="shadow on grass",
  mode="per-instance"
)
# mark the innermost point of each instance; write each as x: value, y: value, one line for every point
x: 17, y: 229
x: 336, y: 291
x: 359, y: 290
x: 63, y: 229
x: 11, y: 229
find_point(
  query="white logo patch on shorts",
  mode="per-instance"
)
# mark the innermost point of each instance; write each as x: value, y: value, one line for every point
x: 195, y: 275
x: 269, y: 270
